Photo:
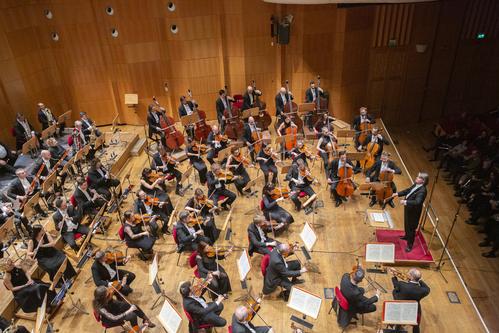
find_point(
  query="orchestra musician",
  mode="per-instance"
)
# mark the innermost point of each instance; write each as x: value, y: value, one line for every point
x: 164, y: 162
x: 20, y: 221
x: 221, y: 105
x: 7, y: 160
x: 186, y: 108
x: 325, y: 120
x: 216, y: 181
x: 217, y: 142
x: 271, y: 208
x: 266, y: 160
x: 47, y: 118
x: 207, y: 263
x: 415, y: 196
x: 414, y: 289
x: 8, y: 326
x: 23, y: 131
x: 300, y: 180
x: 333, y: 179
x: 240, y: 323
x: 196, y: 160
x: 300, y: 152
x: 283, y: 129
x: 67, y: 220
x: 57, y: 150
x: 28, y: 293
x: 101, y: 180
x: 41, y: 247
x: 249, y: 136
x: 87, y: 125
x: 279, y: 271
x: 358, y: 303
x: 259, y: 242
x: 362, y: 118
x: 202, y: 207
x: 19, y: 190
x: 80, y: 138
x: 105, y: 272
x: 143, y: 207
x: 311, y: 95
x: 237, y: 162
x: 153, y: 121
x: 136, y: 237
x: 49, y: 163
x: 189, y: 234
x: 384, y: 164
x: 153, y: 184
x: 249, y: 98
x: 281, y: 99
x: 201, y: 311
x: 114, y: 312
x: 326, y: 145
x: 86, y: 198
x: 377, y: 138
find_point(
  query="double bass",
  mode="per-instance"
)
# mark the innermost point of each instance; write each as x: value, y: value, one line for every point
x: 263, y: 120
x: 202, y: 129
x: 174, y: 139
x: 291, y: 110
x: 321, y: 104
x: 234, y: 127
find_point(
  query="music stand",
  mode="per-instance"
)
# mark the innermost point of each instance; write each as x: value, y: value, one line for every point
x: 186, y: 177
x: 30, y: 146
x: 305, y: 108
x: 189, y: 119
x: 156, y: 283
x: 228, y: 222
x: 251, y: 112
x: 41, y: 317
x: 250, y: 184
x: 29, y: 207
x: 49, y: 182
x: 65, y: 167
x: 48, y: 132
x: 8, y: 236
x: 65, y: 117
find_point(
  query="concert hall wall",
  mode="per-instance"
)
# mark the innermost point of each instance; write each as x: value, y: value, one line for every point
x: 227, y: 42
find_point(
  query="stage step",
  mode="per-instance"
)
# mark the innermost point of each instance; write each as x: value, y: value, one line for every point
x: 138, y: 147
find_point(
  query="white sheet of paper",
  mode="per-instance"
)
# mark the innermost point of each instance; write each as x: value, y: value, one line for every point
x: 404, y: 313
x: 304, y: 302
x: 243, y: 265
x: 308, y: 236
x: 169, y: 318
x: 153, y: 269
x: 378, y: 217
x: 380, y: 252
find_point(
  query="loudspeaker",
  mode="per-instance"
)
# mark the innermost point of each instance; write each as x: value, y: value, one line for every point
x: 283, y: 33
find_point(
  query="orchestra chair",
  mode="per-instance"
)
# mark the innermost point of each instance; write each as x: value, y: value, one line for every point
x: 340, y: 306
x: 121, y: 234
x: 73, y: 201
x: 264, y: 264
x: 175, y: 239
x: 229, y: 329
x: 192, y: 327
x: 193, y: 264
x: 106, y: 327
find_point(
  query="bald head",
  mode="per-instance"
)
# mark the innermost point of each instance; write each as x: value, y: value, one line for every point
x: 241, y: 313
x: 415, y: 274
x: 249, y: 89
x: 282, y: 90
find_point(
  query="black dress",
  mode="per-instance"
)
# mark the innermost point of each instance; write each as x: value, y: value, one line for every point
x: 240, y: 170
x: 145, y: 242
x: 220, y: 285
x: 273, y: 211
x: 29, y: 298
x: 155, y: 192
x: 209, y: 227
x: 50, y: 259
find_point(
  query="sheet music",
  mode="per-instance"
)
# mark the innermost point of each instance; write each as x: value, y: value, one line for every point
x: 169, y: 318
x: 380, y: 252
x: 378, y: 217
x: 153, y: 269
x: 304, y: 302
x: 308, y: 236
x: 243, y: 265
x: 400, y: 312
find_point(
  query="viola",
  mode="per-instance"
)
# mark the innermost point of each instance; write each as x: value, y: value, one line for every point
x: 345, y: 186
x: 202, y: 129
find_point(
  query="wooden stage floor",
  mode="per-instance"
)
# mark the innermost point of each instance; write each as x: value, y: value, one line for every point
x: 340, y: 240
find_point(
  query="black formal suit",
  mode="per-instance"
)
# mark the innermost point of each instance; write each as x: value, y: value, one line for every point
x: 139, y: 207
x: 238, y: 327
x: 43, y: 119
x: 309, y: 97
x: 182, y: 110
x: 381, y: 142
x: 153, y: 123
x: 57, y: 152
x: 215, y: 148
x: 294, y: 173
x: 333, y: 175
x: 256, y: 244
x: 413, y: 291
x: 21, y: 135
x: 165, y: 167
x: 16, y: 188
x: 101, y: 276
x: 202, y: 315
x: 357, y: 121
x: 75, y: 214
x: 216, y: 189
x: 357, y: 302
x: 374, y: 171
x: 412, y: 211
x: 98, y: 181
x: 247, y: 100
x: 279, y: 105
x: 219, y: 104
x: 278, y: 273
x: 45, y: 172
x: 186, y: 241
x: 87, y: 206
x: 87, y: 124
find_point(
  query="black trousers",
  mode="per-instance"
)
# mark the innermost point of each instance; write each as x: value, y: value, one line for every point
x: 69, y: 237
x: 200, y: 166
x: 226, y: 193
x: 214, y: 317
x: 243, y: 181
x: 125, y: 290
x: 298, y: 189
x: 266, y: 169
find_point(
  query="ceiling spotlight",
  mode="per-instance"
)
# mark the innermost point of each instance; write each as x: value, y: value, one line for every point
x: 114, y: 33
x: 109, y: 10
x: 174, y: 28
x: 171, y: 6
x: 48, y: 14
x: 55, y: 36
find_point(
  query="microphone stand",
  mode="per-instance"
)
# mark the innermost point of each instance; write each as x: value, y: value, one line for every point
x: 440, y: 264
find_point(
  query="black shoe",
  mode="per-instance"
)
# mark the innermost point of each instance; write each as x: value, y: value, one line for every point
x: 43, y: 214
x: 179, y: 192
x: 408, y: 249
x: 489, y: 255
x: 297, y: 281
x: 338, y: 203
x: 391, y: 203
x: 403, y: 238
x: 484, y: 243
x: 343, y: 199
x: 372, y: 203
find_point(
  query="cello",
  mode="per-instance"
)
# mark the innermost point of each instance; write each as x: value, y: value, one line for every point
x: 264, y: 120
x: 291, y: 110
x: 345, y: 186
x: 385, y: 192
x: 202, y: 129
x: 174, y: 139
x: 372, y: 149
x: 234, y: 127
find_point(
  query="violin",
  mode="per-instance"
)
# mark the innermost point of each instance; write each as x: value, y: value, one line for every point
x: 117, y: 257
x: 139, y: 218
x: 225, y: 175
x: 194, y: 220
x: 345, y: 186
x: 243, y: 160
x: 268, y: 150
x: 253, y: 307
x: 199, y: 147
x: 204, y: 201
x: 155, y: 175
x: 221, y: 138
x: 212, y: 252
x: 280, y: 192
x: 305, y: 174
x: 153, y: 201
x: 304, y: 150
